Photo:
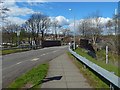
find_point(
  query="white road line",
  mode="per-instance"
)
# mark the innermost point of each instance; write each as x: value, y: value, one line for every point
x: 18, y: 63
x: 47, y: 53
x: 35, y: 59
x: 12, y: 65
x: 42, y: 54
x: 55, y: 51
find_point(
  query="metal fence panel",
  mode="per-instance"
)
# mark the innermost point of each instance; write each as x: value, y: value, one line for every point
x: 112, y: 78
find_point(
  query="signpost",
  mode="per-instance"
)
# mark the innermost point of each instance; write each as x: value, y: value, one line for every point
x: 106, y: 54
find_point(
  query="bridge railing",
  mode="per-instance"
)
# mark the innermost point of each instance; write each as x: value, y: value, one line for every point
x: 111, y: 77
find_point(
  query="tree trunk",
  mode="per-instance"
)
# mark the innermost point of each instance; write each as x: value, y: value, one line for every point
x: 42, y: 39
x: 55, y: 34
x: 94, y: 40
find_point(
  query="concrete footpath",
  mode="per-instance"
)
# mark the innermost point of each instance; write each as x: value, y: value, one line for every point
x: 64, y: 74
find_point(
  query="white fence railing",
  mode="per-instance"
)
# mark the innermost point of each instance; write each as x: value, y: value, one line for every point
x: 112, y: 78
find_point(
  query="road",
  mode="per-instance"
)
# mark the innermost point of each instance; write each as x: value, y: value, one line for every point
x: 14, y: 65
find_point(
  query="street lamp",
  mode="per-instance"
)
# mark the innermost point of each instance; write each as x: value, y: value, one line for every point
x: 18, y: 34
x: 74, y: 29
x: 116, y: 21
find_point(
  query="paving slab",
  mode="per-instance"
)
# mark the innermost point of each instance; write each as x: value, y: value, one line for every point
x: 63, y: 73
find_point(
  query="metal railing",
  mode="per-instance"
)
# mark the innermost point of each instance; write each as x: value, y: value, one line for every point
x: 111, y: 77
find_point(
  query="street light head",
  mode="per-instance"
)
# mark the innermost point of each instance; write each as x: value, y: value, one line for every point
x: 70, y: 9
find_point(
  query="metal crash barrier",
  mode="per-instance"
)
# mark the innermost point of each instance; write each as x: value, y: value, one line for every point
x: 111, y: 77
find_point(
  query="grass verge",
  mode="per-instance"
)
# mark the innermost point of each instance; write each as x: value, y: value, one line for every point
x: 4, y: 52
x: 91, y: 77
x: 109, y: 67
x: 31, y: 79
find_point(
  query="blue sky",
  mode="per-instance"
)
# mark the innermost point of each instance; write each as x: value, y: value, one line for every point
x: 79, y: 9
x: 21, y: 11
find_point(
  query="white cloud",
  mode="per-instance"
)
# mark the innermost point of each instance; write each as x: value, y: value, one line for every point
x: 71, y: 25
x: 62, y: 20
x: 16, y: 20
x: 8, y: 3
x: 35, y: 2
x: 16, y: 11
x: 103, y: 21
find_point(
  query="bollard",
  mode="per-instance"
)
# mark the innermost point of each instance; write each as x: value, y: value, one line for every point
x: 111, y: 86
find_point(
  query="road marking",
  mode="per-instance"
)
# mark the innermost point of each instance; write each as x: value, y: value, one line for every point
x: 55, y: 51
x: 18, y: 63
x: 35, y: 59
x: 47, y: 53
x: 42, y: 54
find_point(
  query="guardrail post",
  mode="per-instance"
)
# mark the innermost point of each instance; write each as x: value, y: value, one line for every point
x: 84, y: 66
x: 111, y: 86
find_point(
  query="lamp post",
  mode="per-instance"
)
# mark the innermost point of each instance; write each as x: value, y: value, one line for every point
x: 116, y: 21
x: 74, y: 29
x: 18, y: 34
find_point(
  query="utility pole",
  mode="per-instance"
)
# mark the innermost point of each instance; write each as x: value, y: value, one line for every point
x: 74, y: 34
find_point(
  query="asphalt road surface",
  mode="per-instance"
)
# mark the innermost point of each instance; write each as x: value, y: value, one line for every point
x: 14, y: 65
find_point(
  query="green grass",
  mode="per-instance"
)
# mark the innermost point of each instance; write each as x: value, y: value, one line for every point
x: 111, y: 56
x: 4, y: 52
x: 109, y: 67
x: 32, y: 77
x: 91, y: 77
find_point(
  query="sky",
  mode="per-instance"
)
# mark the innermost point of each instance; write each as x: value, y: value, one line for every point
x: 21, y: 11
x: 78, y: 9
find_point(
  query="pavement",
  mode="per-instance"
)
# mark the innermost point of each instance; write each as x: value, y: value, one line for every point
x: 64, y: 74
x: 14, y: 65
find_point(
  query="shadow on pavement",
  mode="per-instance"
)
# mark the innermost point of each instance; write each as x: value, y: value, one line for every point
x: 51, y: 79
x: 47, y: 79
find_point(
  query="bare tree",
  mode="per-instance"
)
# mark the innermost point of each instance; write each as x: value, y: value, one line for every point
x: 95, y: 26
x: 38, y: 24
x: 91, y: 27
x: 109, y: 25
x: 65, y: 32
x: 83, y: 27
x: 55, y: 25
x: 9, y: 32
x: 3, y: 12
x: 66, y: 35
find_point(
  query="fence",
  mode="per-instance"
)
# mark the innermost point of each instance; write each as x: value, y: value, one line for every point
x: 111, y: 77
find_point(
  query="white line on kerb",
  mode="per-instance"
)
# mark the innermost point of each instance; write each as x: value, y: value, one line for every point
x: 18, y: 63
x: 35, y: 59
